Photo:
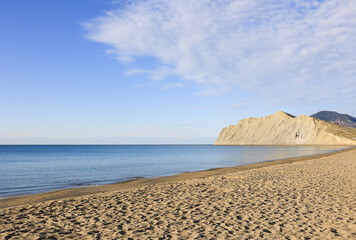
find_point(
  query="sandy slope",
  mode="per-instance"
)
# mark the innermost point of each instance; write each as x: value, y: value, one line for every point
x: 284, y: 129
x: 314, y: 199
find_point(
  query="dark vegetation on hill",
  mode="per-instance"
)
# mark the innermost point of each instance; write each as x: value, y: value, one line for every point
x: 337, y: 118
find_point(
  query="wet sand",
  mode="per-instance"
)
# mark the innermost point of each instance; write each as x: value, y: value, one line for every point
x: 302, y: 198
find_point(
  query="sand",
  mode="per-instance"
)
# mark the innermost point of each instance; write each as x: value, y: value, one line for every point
x: 305, y: 199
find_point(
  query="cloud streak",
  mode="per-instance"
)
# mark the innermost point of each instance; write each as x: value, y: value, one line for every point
x: 271, y: 48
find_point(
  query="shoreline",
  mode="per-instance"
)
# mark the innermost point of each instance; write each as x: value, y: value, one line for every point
x: 283, y: 199
x: 142, y: 182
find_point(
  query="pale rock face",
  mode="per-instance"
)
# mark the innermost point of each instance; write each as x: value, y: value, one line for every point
x: 284, y: 129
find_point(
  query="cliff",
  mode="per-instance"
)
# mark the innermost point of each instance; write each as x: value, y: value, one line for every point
x: 284, y: 129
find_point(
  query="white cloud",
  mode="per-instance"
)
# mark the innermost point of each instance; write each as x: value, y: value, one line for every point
x: 281, y: 48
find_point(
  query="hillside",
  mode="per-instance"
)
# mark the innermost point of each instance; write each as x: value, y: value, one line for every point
x: 337, y: 118
x: 284, y: 129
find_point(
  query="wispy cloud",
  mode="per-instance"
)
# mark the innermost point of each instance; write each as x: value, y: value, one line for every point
x: 301, y: 48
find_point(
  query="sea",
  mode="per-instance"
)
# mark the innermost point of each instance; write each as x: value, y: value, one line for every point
x: 30, y: 169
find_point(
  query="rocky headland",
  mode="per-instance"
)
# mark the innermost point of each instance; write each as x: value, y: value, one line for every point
x: 285, y: 129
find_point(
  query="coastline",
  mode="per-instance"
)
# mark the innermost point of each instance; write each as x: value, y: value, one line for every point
x: 142, y: 182
x: 301, y: 198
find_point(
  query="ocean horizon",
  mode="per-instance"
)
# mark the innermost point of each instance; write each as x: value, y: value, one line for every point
x: 30, y: 169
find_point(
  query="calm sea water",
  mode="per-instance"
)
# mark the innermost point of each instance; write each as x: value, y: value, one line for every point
x: 33, y: 169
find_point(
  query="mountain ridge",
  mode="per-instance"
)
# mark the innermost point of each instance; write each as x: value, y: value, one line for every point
x: 283, y: 128
x: 344, y: 120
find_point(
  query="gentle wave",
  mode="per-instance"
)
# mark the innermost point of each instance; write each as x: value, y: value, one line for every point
x: 34, y: 169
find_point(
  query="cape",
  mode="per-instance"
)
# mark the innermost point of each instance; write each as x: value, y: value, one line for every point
x: 285, y: 129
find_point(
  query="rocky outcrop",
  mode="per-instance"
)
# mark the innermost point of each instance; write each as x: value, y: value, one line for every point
x: 284, y: 129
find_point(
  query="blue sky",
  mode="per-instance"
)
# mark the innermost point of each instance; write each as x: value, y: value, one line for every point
x: 130, y: 72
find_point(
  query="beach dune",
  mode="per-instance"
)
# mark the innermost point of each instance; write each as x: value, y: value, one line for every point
x: 290, y: 199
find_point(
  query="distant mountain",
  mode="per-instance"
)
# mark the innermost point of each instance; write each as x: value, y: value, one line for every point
x: 284, y: 129
x: 337, y: 118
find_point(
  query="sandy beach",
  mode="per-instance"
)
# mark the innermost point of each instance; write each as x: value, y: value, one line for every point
x: 303, y: 198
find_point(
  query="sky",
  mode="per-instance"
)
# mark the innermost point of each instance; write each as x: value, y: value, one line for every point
x: 168, y: 72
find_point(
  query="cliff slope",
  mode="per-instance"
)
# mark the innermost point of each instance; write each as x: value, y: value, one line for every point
x: 284, y: 129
